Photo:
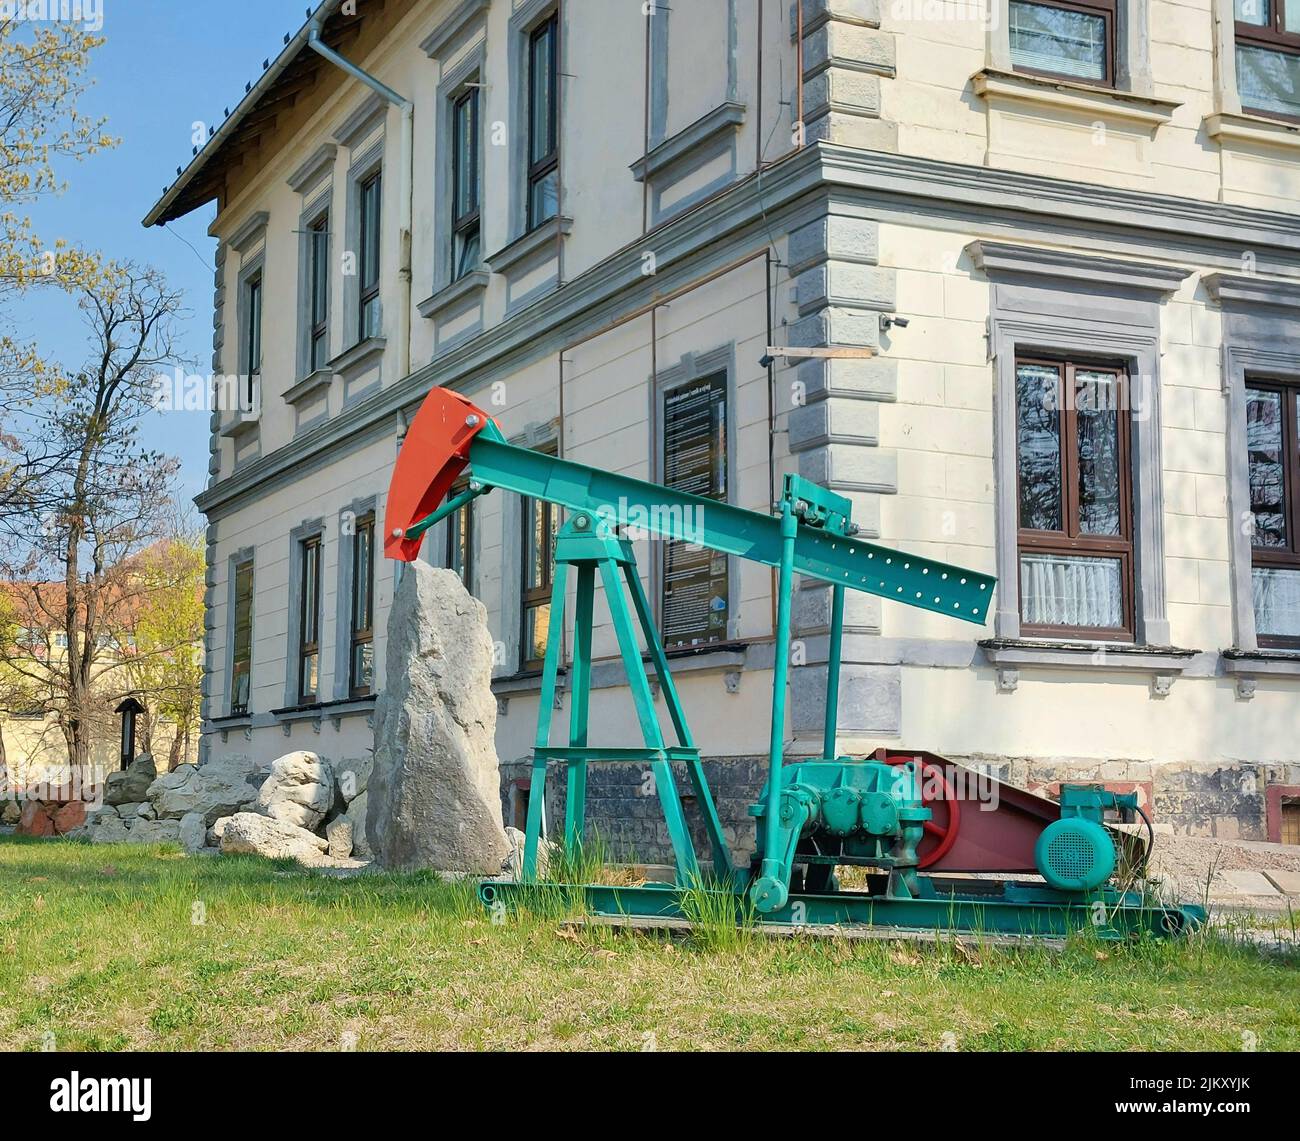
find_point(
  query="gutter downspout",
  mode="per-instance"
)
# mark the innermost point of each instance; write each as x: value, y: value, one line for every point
x: 406, y: 168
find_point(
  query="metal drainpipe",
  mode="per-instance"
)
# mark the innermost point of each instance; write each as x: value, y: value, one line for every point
x: 406, y: 168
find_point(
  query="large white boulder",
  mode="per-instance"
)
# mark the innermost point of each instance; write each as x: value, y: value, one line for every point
x: 435, y: 789
x: 299, y: 790
x: 220, y: 787
x: 250, y: 833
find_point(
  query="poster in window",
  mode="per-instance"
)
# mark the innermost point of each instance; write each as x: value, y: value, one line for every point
x: 696, y: 589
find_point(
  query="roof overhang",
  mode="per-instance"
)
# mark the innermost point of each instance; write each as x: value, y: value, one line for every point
x: 281, y: 81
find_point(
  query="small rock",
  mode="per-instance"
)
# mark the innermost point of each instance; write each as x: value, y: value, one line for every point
x: 253, y: 834
x: 99, y: 810
x: 339, y: 834
x: 300, y: 790
x: 146, y: 812
x: 11, y: 813
x: 356, y: 816
x: 194, y: 832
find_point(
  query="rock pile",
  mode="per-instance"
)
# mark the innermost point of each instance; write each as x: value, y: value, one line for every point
x: 230, y: 804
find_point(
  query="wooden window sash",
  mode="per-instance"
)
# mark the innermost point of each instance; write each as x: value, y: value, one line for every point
x: 1072, y: 540
x: 1104, y: 8
x: 363, y: 580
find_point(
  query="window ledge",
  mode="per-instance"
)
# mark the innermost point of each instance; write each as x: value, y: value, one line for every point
x: 1068, y: 95
x: 1009, y: 655
x: 309, y: 386
x: 1275, y: 663
x: 523, y: 247
x: 473, y: 284
x: 1225, y: 128
x: 231, y: 721
x: 241, y: 425
x: 334, y: 710
x: 352, y: 361
x: 722, y: 119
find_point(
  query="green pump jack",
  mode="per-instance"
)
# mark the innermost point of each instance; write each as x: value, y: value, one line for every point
x: 813, y: 816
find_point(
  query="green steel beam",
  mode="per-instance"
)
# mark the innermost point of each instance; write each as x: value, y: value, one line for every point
x: 832, y: 558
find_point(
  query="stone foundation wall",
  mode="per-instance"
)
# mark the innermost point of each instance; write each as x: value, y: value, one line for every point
x: 1222, y: 802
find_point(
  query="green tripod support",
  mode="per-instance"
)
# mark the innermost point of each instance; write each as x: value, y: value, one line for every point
x: 587, y: 546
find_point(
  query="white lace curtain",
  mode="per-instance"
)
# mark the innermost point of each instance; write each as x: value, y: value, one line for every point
x: 1277, y: 602
x: 1063, y: 590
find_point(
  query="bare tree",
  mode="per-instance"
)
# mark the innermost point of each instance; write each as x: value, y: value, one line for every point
x: 71, y: 557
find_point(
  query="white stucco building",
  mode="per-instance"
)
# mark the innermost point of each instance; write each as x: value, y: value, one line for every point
x: 579, y: 211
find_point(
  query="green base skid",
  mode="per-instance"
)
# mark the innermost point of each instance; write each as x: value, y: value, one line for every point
x: 995, y: 908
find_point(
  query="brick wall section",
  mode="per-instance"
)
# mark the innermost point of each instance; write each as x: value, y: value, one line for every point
x: 631, y: 824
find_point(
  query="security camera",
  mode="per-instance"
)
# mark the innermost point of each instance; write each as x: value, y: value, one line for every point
x: 767, y: 360
x: 887, y: 322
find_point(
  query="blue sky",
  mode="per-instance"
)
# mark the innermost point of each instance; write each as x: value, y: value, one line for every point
x: 165, y: 65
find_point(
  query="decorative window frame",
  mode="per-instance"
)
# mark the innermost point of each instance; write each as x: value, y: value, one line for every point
x: 693, y: 367
x: 245, y: 556
x: 1261, y: 329
x: 1053, y: 301
x: 308, y: 529
x: 345, y: 576
x: 526, y: 19
x: 308, y: 381
x: 369, y: 163
x: 470, y: 69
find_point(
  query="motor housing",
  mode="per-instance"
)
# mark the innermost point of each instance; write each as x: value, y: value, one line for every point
x: 1075, y: 854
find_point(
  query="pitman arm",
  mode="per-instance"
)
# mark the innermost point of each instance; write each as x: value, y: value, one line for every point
x: 450, y: 434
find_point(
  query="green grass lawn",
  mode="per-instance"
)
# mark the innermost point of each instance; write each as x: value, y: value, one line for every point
x: 102, y: 948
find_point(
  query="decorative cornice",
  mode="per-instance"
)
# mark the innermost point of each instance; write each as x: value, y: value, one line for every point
x: 308, y: 386
x: 357, y: 127
x: 523, y: 247
x: 311, y: 171
x: 722, y: 119
x: 1003, y: 259
x: 454, y: 27
x: 1239, y: 289
x: 247, y: 234
x: 1197, y: 224
x: 472, y: 284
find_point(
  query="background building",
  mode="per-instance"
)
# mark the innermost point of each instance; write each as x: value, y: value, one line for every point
x: 594, y: 216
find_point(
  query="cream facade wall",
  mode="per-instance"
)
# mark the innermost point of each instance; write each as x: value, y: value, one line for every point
x: 929, y: 180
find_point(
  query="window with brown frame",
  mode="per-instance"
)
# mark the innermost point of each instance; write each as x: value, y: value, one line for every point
x: 318, y: 280
x: 1074, y: 40
x: 1075, y: 500
x: 460, y: 539
x: 1268, y: 56
x: 541, y: 522
x: 309, y: 621
x: 1273, y: 451
x: 361, y: 669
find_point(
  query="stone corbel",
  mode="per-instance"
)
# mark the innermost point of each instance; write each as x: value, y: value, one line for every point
x: 1246, y: 687
x: 1008, y: 680
x: 1161, y: 684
